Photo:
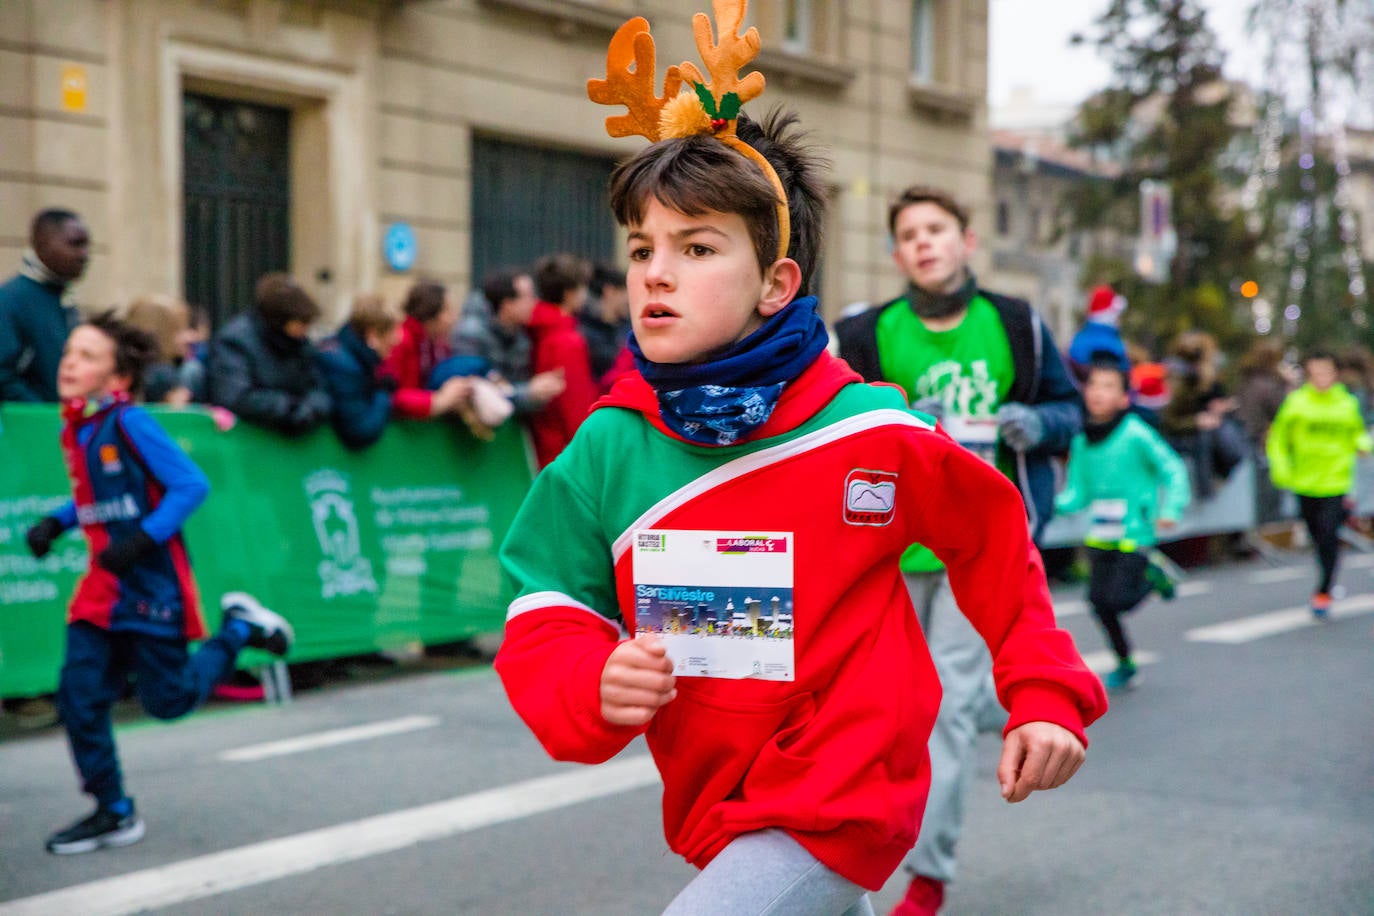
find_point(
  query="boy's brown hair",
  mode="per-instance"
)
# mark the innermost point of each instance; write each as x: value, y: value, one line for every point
x: 926, y: 194
x: 556, y: 275
x: 279, y: 300
x: 164, y: 318
x: 135, y: 350
x: 698, y: 174
x: 371, y: 313
x: 425, y: 300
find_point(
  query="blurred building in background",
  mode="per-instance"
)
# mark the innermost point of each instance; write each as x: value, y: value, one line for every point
x: 1037, y: 253
x: 358, y: 143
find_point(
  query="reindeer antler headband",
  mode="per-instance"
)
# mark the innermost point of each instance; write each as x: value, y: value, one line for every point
x: 712, y: 109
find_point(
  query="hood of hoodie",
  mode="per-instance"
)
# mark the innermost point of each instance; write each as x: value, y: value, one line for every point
x: 800, y: 400
x: 547, y: 318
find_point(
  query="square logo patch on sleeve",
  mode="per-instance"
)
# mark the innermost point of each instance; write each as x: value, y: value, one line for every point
x: 870, y: 497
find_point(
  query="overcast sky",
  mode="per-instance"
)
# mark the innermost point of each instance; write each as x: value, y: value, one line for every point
x: 1029, y: 47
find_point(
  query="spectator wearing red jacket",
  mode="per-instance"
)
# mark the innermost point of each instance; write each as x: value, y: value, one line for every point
x: 561, y: 281
x: 430, y: 316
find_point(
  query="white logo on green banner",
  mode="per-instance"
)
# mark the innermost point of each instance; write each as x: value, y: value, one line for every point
x: 343, y: 570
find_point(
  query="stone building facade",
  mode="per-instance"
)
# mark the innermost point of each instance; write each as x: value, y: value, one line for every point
x: 205, y: 141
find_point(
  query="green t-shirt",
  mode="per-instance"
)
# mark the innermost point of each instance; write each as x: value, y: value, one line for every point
x: 968, y: 368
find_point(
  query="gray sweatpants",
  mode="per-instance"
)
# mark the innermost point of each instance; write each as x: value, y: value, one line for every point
x: 768, y: 874
x: 969, y: 706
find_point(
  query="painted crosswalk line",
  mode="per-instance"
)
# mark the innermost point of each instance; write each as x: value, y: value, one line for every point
x: 233, y: 869
x: 332, y: 738
x: 1281, y: 574
x: 1272, y: 623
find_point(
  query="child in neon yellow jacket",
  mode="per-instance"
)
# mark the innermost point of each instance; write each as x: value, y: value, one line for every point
x: 1311, y: 447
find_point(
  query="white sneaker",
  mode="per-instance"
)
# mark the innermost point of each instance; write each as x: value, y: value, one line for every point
x: 267, y: 629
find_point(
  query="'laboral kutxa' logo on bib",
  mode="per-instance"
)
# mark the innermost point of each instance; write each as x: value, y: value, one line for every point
x: 870, y: 497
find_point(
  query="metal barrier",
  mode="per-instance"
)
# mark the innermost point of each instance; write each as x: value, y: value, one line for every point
x: 1230, y: 508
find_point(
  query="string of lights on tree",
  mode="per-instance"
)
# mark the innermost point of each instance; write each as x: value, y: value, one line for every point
x: 1309, y: 219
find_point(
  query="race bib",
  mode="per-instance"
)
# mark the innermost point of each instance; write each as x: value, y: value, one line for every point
x: 977, y: 434
x: 721, y: 601
x: 1108, y: 520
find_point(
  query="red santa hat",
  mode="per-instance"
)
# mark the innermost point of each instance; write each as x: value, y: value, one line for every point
x: 1105, y: 305
x: 1150, y: 384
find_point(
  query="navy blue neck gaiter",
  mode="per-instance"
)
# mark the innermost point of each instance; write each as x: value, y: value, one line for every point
x: 722, y: 400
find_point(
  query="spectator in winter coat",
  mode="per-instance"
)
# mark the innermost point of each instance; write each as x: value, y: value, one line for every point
x: 495, y: 328
x: 1099, y: 337
x: 34, y: 322
x: 1261, y: 390
x: 364, y: 396
x: 561, y: 282
x: 605, y: 320
x: 262, y: 364
x: 430, y: 317
x: 178, y: 377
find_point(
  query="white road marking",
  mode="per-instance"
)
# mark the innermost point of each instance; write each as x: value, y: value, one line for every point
x: 1247, y: 629
x: 1282, y: 574
x: 1357, y: 560
x: 1104, y: 662
x: 232, y: 869
x: 1193, y: 589
x: 1070, y: 608
x: 328, y: 739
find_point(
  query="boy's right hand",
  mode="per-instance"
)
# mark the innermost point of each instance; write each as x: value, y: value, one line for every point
x: 451, y: 396
x: 637, y: 680
x: 41, y: 536
x: 546, y: 386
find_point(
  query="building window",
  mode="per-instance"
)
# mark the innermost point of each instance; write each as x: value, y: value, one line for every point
x: 923, y: 41
x: 1003, y: 218
x: 796, y: 25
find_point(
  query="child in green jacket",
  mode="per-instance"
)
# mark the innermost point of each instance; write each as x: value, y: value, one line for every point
x: 1117, y: 466
x: 1311, y: 448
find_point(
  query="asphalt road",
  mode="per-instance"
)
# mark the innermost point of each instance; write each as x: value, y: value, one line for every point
x: 1238, y: 778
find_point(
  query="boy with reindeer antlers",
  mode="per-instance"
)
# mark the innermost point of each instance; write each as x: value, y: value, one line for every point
x: 712, y: 562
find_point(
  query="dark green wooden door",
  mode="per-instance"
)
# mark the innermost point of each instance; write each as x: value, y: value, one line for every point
x: 237, y: 190
x: 528, y: 201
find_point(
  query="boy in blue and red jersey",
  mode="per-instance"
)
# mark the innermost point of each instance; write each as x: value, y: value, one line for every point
x: 136, y: 607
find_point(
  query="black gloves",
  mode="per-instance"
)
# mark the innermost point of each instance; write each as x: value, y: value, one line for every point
x: 41, y: 536
x: 121, y: 555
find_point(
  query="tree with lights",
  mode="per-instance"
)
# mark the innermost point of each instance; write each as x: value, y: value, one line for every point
x: 1167, y: 117
x: 1314, y: 279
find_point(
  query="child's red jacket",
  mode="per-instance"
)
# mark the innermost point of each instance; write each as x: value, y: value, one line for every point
x: 836, y: 757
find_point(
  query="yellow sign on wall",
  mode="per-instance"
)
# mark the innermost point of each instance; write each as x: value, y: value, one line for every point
x: 73, y: 87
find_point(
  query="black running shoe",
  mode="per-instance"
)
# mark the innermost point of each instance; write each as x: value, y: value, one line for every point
x: 268, y: 629
x: 101, y: 829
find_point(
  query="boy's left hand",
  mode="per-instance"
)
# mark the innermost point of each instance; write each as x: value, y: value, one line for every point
x: 1166, y: 524
x: 1037, y: 756
x: 121, y: 555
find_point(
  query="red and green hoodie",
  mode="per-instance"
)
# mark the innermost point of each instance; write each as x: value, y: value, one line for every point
x: 837, y: 757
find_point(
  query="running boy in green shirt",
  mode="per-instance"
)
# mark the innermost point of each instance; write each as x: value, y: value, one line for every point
x: 1117, y: 466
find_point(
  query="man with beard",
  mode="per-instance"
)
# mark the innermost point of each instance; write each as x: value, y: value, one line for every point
x: 987, y: 367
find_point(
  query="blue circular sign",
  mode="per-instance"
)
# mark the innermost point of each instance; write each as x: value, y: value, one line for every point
x: 399, y: 246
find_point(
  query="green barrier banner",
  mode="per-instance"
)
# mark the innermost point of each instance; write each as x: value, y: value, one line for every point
x: 360, y: 550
